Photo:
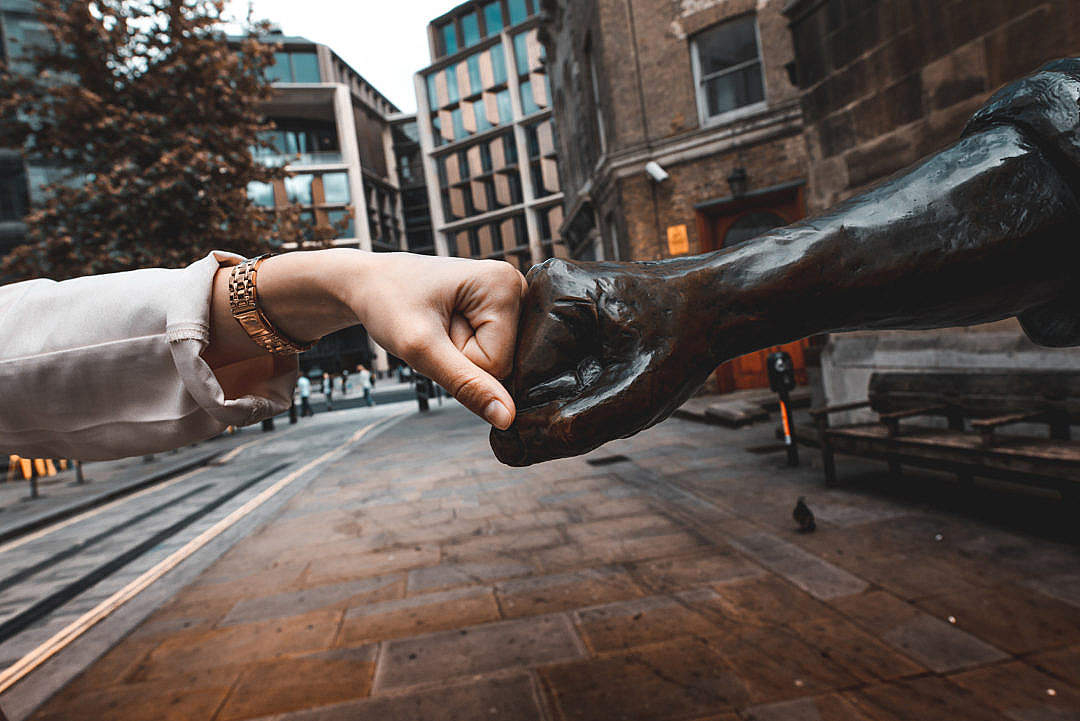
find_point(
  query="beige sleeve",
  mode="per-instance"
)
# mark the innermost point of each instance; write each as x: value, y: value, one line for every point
x: 109, y: 366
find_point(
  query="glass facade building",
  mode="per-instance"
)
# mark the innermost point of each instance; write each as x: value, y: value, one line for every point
x: 484, y: 115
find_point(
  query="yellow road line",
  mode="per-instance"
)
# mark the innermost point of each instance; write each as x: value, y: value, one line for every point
x: 18, y: 670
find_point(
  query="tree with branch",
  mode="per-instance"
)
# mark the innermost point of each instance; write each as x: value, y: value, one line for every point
x: 151, y: 115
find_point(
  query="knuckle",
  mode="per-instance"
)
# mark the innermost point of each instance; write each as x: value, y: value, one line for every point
x: 468, y: 391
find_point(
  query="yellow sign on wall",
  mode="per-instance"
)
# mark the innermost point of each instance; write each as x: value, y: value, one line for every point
x: 678, y: 240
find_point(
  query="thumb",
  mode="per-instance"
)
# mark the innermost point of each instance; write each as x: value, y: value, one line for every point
x: 473, y: 387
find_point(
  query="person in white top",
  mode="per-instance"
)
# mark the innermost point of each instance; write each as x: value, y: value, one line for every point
x: 303, y: 386
x: 189, y: 369
x: 365, y: 384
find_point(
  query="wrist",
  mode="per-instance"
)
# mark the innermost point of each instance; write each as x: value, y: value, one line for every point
x: 304, y: 293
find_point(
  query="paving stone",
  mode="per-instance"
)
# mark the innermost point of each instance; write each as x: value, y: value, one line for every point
x: 1020, y: 691
x: 511, y: 698
x: 562, y: 592
x: 1010, y: 617
x: 1062, y: 663
x: 670, y: 574
x: 933, y: 642
x: 492, y: 647
x: 625, y: 527
x: 291, y: 684
x: 939, y: 645
x: 353, y: 566
x: 767, y: 601
x: 423, y: 580
x: 814, y: 575
x: 240, y: 644
x: 644, y: 621
x: 924, y: 698
x: 912, y: 579
x: 678, y: 681
x: 457, y: 608
x: 503, y: 543
x: 775, y: 665
x: 294, y: 603
x: 157, y: 700
x: 856, y: 651
x: 1064, y: 587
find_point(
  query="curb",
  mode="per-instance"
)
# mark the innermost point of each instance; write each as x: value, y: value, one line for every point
x: 86, y: 504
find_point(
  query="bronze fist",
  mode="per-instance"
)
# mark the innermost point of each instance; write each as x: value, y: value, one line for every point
x: 604, y: 350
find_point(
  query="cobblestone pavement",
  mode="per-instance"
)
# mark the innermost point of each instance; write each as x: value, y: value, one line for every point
x: 417, y: 579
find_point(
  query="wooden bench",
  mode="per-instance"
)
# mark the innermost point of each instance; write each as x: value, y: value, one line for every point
x: 975, y: 408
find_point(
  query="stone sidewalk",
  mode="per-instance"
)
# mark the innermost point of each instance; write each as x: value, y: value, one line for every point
x: 658, y: 579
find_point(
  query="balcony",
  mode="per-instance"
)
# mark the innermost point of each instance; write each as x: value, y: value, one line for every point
x: 299, y: 160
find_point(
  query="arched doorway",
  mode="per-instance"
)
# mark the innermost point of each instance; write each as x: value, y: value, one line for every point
x: 729, y: 221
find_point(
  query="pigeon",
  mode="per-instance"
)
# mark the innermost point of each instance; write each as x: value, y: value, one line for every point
x: 803, y: 516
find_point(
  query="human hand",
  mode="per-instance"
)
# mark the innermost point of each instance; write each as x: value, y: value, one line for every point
x: 604, y: 350
x: 452, y: 319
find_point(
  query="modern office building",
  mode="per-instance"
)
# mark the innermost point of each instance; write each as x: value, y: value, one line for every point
x: 19, y: 182
x: 333, y: 131
x: 487, y: 136
x: 419, y: 235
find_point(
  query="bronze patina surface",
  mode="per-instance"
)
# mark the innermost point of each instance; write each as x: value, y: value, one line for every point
x: 986, y: 229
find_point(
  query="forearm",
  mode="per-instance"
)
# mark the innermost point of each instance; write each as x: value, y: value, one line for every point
x: 303, y: 294
x: 979, y: 232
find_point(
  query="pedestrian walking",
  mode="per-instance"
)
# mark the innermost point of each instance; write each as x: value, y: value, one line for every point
x: 328, y: 390
x: 365, y: 384
x: 344, y: 382
x: 303, y: 386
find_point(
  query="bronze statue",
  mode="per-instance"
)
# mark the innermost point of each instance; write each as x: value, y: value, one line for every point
x: 986, y: 229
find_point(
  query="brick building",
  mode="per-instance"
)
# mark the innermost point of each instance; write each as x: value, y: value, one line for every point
x: 695, y: 90
x: 886, y: 82
x: 850, y: 92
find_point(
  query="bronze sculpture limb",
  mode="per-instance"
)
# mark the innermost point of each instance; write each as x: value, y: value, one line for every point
x: 986, y: 229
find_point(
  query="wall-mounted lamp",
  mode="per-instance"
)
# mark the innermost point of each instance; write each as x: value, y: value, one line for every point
x: 738, y: 181
x: 656, y: 172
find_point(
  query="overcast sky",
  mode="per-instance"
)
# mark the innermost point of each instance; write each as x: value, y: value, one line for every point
x: 383, y: 40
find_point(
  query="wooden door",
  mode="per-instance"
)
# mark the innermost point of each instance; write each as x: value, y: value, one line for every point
x: 734, y: 220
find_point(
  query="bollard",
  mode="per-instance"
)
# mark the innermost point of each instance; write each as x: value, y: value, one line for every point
x: 33, y: 481
x: 79, y: 478
x: 292, y: 412
x: 268, y: 425
x: 782, y: 381
x: 422, y: 394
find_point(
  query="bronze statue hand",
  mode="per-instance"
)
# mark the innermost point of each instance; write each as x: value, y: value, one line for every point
x: 604, y: 350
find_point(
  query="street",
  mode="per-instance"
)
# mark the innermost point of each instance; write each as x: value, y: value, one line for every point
x: 407, y: 575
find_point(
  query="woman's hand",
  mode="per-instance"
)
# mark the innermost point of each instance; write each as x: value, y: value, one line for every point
x: 452, y: 319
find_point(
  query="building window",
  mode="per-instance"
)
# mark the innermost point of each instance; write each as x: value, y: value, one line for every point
x: 493, y: 18
x: 459, y: 123
x: 451, y: 85
x: 294, y: 67
x: 305, y: 68
x: 751, y: 226
x: 470, y: 29
x: 502, y: 99
x: 521, y: 52
x: 528, y: 100
x: 727, y: 66
x: 475, y: 85
x: 519, y: 11
x: 336, y: 216
x: 261, y: 194
x: 498, y: 64
x: 449, y: 38
x: 335, y: 188
x: 298, y: 189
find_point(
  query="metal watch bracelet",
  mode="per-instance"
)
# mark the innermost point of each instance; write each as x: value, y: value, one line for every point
x: 244, y: 304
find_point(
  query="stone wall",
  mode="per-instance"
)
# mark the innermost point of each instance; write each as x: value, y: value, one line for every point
x: 886, y: 82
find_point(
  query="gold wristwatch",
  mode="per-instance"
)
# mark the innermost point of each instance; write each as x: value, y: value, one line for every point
x: 244, y: 303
